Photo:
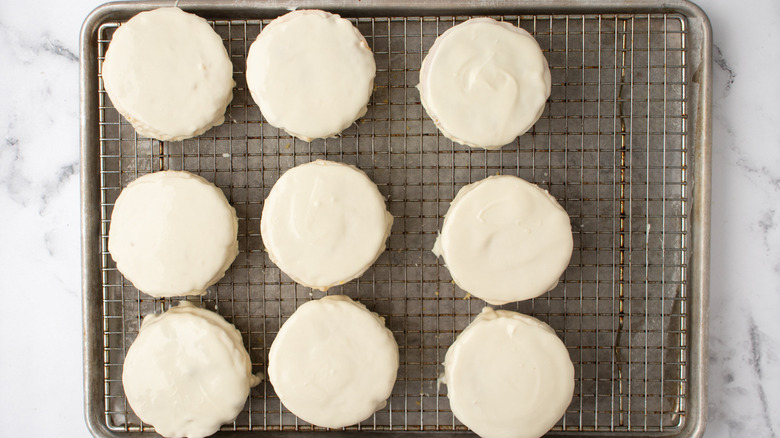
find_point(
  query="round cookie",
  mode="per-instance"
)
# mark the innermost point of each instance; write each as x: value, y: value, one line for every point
x: 168, y: 73
x: 311, y: 73
x: 324, y: 223
x: 172, y: 233
x: 187, y: 372
x: 484, y: 83
x: 505, y: 239
x: 333, y: 363
x: 508, y: 375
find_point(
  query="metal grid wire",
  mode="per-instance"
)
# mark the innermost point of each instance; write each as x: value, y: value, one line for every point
x: 611, y: 147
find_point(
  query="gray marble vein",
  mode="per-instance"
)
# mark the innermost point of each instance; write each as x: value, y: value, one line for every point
x: 57, y: 48
x: 720, y: 61
x: 755, y: 361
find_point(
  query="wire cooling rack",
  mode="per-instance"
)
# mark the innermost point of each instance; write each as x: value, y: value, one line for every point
x: 612, y: 146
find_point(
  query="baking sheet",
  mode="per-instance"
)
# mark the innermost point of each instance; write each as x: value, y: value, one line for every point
x: 623, y: 145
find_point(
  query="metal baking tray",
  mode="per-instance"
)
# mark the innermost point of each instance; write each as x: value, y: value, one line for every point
x: 624, y: 145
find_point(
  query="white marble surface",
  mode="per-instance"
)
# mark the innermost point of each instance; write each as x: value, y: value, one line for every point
x: 40, y: 310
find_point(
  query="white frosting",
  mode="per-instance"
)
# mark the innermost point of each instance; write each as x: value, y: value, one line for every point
x: 169, y: 74
x: 333, y: 362
x: 324, y: 223
x: 187, y: 372
x: 508, y: 376
x: 505, y: 239
x: 173, y: 233
x: 484, y: 82
x: 311, y: 73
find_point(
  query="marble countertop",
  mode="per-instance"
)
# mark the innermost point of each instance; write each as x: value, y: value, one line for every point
x: 40, y: 315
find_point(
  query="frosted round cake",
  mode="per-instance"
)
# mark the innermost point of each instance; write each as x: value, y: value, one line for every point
x: 311, y: 73
x: 187, y: 372
x: 508, y: 375
x: 505, y: 239
x: 333, y: 363
x: 484, y: 82
x: 324, y: 223
x: 168, y: 73
x: 172, y: 233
